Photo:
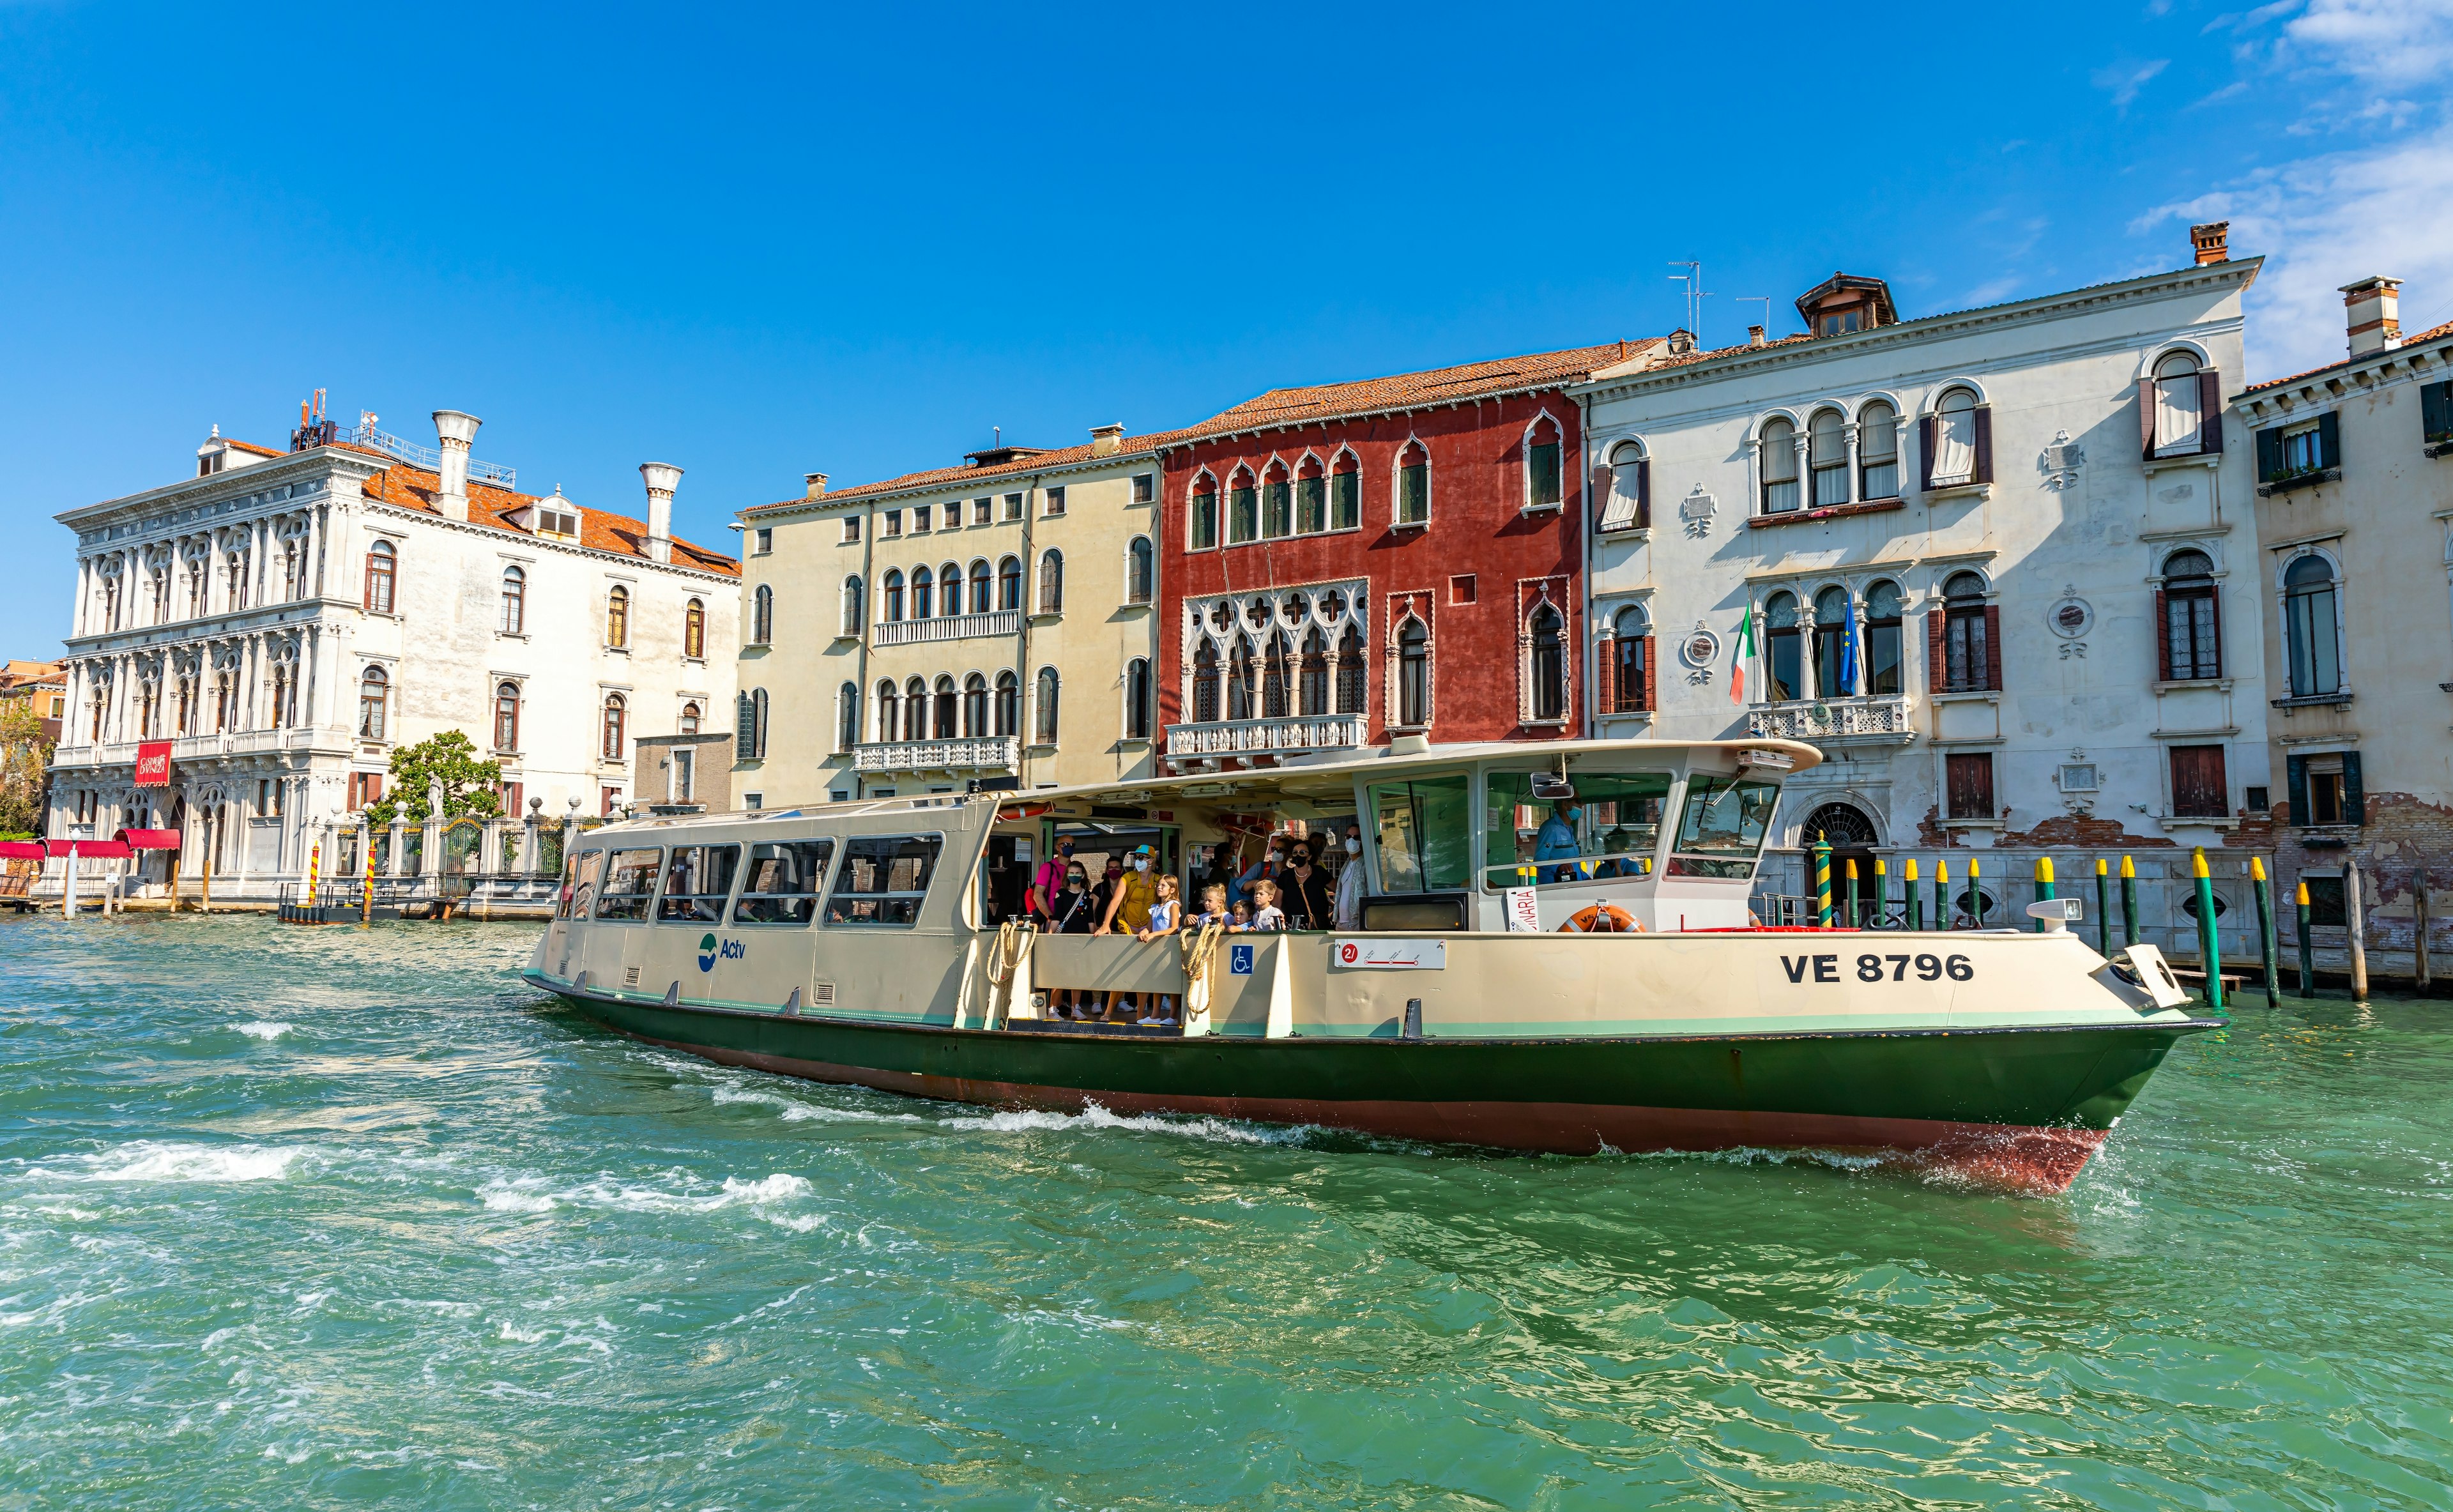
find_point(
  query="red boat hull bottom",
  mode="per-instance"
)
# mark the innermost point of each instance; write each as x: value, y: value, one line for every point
x: 2035, y: 1160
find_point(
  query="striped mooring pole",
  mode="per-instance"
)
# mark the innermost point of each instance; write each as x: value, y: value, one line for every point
x: 1908, y: 891
x: 2266, y: 951
x: 2044, y: 885
x: 2128, y: 904
x: 2102, y: 906
x: 2307, y: 951
x: 1823, y: 881
x: 2209, y: 947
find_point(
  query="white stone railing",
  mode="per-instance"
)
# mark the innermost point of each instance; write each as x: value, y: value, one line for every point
x: 189, y: 747
x: 948, y: 628
x: 997, y: 753
x: 1265, y: 737
x: 1886, y: 717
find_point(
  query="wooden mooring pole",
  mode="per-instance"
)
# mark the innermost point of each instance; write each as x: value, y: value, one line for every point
x: 2355, y: 919
x: 2419, y: 900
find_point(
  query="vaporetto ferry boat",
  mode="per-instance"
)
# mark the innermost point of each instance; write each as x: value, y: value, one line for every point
x: 1548, y: 948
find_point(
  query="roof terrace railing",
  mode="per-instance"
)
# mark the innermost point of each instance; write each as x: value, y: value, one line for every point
x: 364, y: 434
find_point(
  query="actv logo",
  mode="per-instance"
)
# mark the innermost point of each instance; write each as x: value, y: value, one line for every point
x: 710, y: 951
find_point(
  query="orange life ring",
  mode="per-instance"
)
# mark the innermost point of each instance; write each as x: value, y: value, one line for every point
x: 1601, y: 917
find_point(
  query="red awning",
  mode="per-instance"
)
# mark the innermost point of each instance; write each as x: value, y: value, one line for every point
x: 151, y: 839
x: 89, y: 849
x: 21, y: 850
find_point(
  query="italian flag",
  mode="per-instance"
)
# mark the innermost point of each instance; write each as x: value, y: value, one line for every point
x: 1741, y: 651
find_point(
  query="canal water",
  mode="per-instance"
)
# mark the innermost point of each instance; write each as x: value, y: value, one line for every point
x: 296, y: 1218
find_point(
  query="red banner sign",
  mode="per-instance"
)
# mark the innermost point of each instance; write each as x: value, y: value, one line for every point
x: 154, y: 763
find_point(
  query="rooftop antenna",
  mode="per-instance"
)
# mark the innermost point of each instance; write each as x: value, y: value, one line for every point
x: 998, y: 433
x: 1696, y: 294
x: 1765, y: 300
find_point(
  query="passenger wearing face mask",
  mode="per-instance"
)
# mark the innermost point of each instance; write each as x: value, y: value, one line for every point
x: 1305, y: 890
x: 1349, y: 881
x: 1073, y: 912
x: 1268, y: 869
x: 1557, y: 839
x: 1128, y: 905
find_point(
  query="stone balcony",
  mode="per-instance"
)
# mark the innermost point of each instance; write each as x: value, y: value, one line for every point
x: 946, y: 627
x: 970, y: 753
x: 199, y: 748
x: 1882, y: 719
x: 1239, y: 739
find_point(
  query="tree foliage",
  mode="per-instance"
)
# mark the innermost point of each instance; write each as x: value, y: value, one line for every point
x: 25, y: 756
x: 471, y: 787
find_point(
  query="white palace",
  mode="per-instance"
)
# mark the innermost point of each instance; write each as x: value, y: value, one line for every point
x: 284, y: 619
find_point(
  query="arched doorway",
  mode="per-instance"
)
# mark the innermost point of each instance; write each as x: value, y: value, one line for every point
x: 1851, y: 835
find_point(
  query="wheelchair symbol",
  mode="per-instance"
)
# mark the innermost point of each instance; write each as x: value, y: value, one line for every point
x: 1239, y: 959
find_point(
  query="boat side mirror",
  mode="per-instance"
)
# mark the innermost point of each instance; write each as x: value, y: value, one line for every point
x: 1550, y: 790
x: 2057, y: 914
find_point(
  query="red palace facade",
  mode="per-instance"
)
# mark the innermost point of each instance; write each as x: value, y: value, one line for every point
x: 1354, y: 563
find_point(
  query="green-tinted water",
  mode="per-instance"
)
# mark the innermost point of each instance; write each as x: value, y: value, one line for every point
x: 316, y: 1218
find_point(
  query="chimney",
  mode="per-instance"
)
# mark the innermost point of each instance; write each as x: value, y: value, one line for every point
x: 455, y: 431
x: 1105, y: 441
x: 817, y: 482
x: 1754, y: 335
x: 2211, y: 242
x: 660, y: 476
x: 2375, y: 314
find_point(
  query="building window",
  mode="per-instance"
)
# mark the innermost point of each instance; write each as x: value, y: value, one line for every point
x: 2435, y: 412
x: 1045, y: 698
x: 2192, y: 642
x: 1051, y: 582
x: 1312, y: 497
x: 1784, y: 654
x: 946, y: 708
x: 847, y: 717
x: 1413, y: 673
x: 617, y: 619
x: 1312, y: 681
x: 851, y: 530
x: 1826, y: 458
x: 1546, y: 662
x: 893, y: 596
x: 919, y: 513
x: 1014, y: 506
x: 694, y: 630
x: 1242, y: 509
x: 853, y: 593
x: 888, y: 709
x: 1008, y: 705
x: 2304, y: 449
x: 1137, y: 698
x: 690, y: 718
x: 1777, y: 451
x: 1884, y: 644
x: 915, y: 709
x: 1349, y: 671
x: 892, y: 526
x: 1628, y: 506
x: 2326, y: 789
x: 617, y: 716
x: 374, y: 692
x: 1240, y: 680
x: 763, y: 539
x: 983, y: 510
x: 2309, y: 628
x: 1463, y: 588
x: 923, y: 593
x: 975, y: 705
x: 2179, y: 407
x: 1968, y: 779
x: 1878, y: 452
x: 507, y: 716
x: 1967, y: 636
x: 1831, y: 643
x: 1009, y: 583
x: 1204, y: 683
x: 1543, y: 483
x: 1959, y: 449
x: 1629, y: 652
x: 383, y: 563
x: 1413, y: 484
x: 761, y: 615
x: 1144, y: 488
x: 1345, y: 492
x: 982, y: 588
x: 1275, y: 675
x: 1201, y: 525
x: 1140, y: 570
x: 2198, y: 786
x: 1055, y: 502
x: 1277, y: 504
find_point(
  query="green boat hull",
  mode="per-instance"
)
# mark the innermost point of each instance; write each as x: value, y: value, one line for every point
x: 2019, y: 1107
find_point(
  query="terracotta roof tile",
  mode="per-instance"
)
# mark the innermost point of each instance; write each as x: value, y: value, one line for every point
x: 2430, y: 335
x: 1290, y: 407
x: 958, y: 480
x: 412, y: 487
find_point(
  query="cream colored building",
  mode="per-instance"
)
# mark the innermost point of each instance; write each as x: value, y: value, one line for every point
x: 863, y: 673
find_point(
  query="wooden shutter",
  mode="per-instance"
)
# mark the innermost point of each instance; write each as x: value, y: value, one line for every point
x: 1992, y: 646
x: 2329, y: 439
x: 1983, y: 445
x: 2436, y: 411
x: 2269, y: 453
x: 2199, y: 789
x: 2355, y: 797
x: 744, y: 728
x: 2147, y: 417
x: 1644, y: 495
x: 2209, y: 410
x: 1651, y: 673
x: 2295, y: 787
x: 1924, y: 452
x: 2162, y: 638
x: 1937, y: 661
x: 1970, y: 785
x: 1605, y: 680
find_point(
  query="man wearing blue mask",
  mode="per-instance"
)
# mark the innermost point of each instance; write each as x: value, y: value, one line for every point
x: 1557, y: 839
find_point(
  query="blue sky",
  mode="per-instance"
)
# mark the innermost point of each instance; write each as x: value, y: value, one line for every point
x: 755, y: 244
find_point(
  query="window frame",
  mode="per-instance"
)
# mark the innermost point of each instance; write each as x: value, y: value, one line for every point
x: 514, y: 617
x: 846, y: 853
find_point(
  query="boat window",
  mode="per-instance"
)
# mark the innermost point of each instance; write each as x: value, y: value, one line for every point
x: 883, y: 880
x: 1425, y: 833
x: 579, y: 878
x: 1723, y: 826
x: 781, y: 885
x: 1610, y: 829
x: 629, y: 881
x: 697, y: 881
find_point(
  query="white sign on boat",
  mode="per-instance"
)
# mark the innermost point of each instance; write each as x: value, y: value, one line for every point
x: 1390, y: 955
x: 1523, y: 911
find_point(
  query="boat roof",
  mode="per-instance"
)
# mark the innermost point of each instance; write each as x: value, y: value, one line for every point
x: 1304, y: 780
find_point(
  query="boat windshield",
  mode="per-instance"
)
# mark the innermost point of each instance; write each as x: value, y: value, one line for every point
x: 1426, y: 828
x: 1723, y: 826
x: 579, y: 875
x: 1609, y: 828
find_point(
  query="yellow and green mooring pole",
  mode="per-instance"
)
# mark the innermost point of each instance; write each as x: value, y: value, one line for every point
x: 2102, y: 906
x: 1908, y: 892
x: 2209, y: 946
x: 1941, y: 892
x: 2044, y: 885
x: 2307, y: 951
x: 1855, y: 916
x: 2265, y: 950
x: 2128, y: 904
x: 1823, y: 881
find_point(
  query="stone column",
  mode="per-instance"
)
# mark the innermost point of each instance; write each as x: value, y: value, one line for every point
x: 399, y: 840
x: 432, y: 860
x: 531, y: 834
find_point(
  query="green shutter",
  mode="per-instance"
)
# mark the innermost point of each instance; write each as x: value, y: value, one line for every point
x: 744, y: 727
x: 2355, y: 798
x: 2295, y: 787
x: 1545, y: 474
x: 2269, y: 453
x: 2436, y: 411
x: 2329, y: 440
x: 1348, y: 491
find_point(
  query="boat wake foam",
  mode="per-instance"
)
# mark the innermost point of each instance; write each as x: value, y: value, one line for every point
x: 169, y: 1160
x: 1218, y: 1130
x: 529, y: 1194
x: 267, y: 1030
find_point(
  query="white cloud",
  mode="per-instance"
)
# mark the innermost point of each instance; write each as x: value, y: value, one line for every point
x: 2380, y: 41
x: 2123, y: 78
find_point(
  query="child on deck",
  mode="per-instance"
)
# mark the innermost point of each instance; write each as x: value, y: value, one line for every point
x: 1213, y: 909
x: 1268, y: 918
x: 1240, y: 918
x: 1162, y: 924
